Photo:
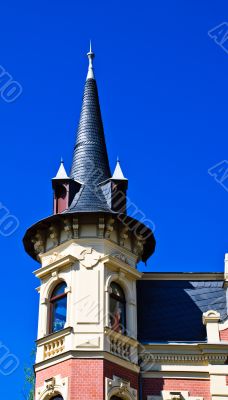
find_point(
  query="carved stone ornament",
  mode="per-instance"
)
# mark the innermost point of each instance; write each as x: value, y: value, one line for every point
x: 75, y: 227
x: 109, y: 228
x: 53, y: 234
x: 123, y: 235
x: 68, y: 228
x: 100, y: 228
x: 119, y: 387
x: 52, y: 258
x: 51, y: 387
x: 38, y: 241
x: 120, y: 257
x: 50, y: 384
x: 89, y: 257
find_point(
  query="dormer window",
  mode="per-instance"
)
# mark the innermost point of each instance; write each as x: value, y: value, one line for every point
x: 58, y: 308
x: 117, y: 311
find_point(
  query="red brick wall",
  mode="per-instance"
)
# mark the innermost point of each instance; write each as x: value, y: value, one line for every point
x: 85, y: 378
x: 195, y: 387
x: 224, y: 334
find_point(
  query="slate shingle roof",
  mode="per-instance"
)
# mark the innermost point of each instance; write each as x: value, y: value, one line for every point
x: 90, y: 160
x: 172, y: 310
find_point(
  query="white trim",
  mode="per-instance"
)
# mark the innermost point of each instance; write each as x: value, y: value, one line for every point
x: 174, y: 395
x: 92, y: 355
x: 186, y: 276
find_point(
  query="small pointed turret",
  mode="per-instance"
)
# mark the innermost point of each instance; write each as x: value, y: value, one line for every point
x: 64, y: 189
x: 119, y: 185
x: 61, y: 174
x: 118, y: 174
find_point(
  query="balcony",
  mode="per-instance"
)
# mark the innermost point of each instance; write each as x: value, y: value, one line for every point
x: 121, y: 345
x: 53, y: 345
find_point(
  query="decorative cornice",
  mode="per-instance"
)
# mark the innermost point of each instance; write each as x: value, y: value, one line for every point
x: 190, y: 358
x: 173, y: 276
x: 54, y: 336
x: 119, y: 265
x: 59, y: 263
x: 87, y: 355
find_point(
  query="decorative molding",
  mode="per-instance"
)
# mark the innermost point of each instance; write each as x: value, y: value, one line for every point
x: 75, y: 227
x: 174, y: 395
x: 173, y: 276
x: 88, y: 354
x: 117, y: 265
x: 119, y: 387
x: 89, y: 257
x: 56, y: 385
x: 54, y: 336
x: 54, y: 235
x: 55, y: 275
x: 68, y: 228
x: 181, y: 358
x: 138, y: 246
x: 109, y: 228
x: 100, y: 228
x: 175, y: 373
x: 87, y: 341
x: 123, y: 235
x: 57, y: 264
x: 47, y: 260
x: 211, y: 316
x: 120, y: 256
x: 44, y: 300
x: 39, y: 242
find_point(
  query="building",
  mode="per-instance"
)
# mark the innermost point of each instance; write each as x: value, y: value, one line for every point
x: 106, y: 330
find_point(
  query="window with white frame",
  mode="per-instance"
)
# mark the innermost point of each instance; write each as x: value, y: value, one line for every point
x: 117, y: 308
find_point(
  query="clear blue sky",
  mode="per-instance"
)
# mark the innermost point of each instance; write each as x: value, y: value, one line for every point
x: 163, y: 88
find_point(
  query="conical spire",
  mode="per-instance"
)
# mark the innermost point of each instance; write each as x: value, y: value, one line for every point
x: 91, y: 56
x: 90, y: 164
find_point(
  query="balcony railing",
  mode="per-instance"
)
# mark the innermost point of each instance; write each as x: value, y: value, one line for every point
x: 121, y: 345
x: 54, y: 347
x: 53, y: 344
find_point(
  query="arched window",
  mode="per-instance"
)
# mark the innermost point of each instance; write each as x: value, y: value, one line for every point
x: 117, y: 308
x: 57, y: 398
x: 58, y: 308
x: 115, y: 398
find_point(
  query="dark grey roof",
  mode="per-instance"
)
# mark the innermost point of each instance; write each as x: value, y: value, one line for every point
x: 172, y: 310
x: 90, y: 160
